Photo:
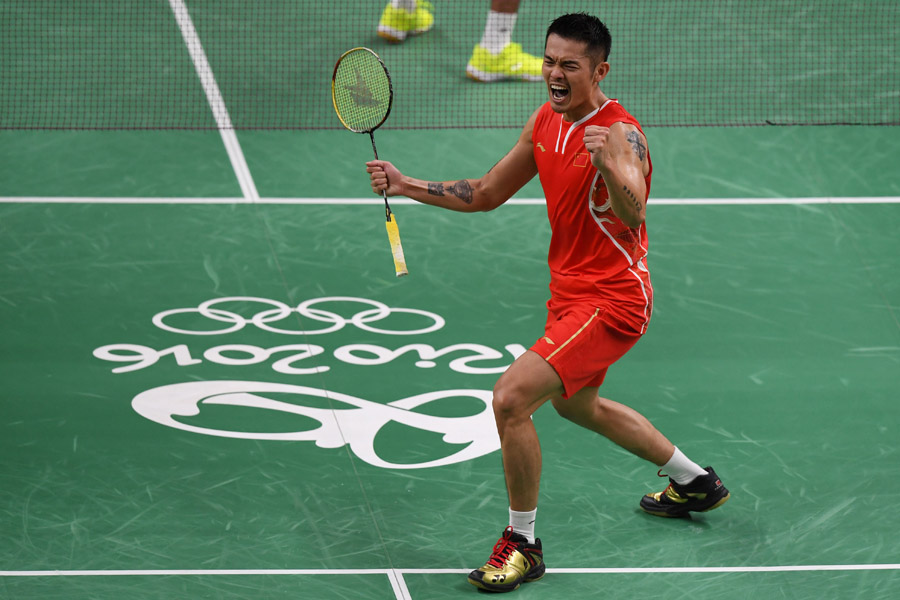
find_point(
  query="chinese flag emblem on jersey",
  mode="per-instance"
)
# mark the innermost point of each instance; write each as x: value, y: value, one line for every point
x: 582, y: 159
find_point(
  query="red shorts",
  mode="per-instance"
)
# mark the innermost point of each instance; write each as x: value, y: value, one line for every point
x: 581, y: 341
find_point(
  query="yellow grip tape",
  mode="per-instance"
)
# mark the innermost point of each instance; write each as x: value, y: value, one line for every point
x: 396, y: 248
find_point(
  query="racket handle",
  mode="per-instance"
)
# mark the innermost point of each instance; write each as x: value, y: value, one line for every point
x: 396, y: 248
x: 391, y: 225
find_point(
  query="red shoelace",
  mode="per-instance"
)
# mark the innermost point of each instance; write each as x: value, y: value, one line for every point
x: 504, y: 547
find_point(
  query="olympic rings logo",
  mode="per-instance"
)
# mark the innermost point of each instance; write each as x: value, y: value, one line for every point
x: 307, y: 309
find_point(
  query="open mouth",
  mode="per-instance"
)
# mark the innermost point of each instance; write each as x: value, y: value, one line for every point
x: 558, y: 92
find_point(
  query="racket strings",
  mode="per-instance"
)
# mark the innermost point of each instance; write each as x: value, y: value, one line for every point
x: 362, y: 91
x: 362, y: 95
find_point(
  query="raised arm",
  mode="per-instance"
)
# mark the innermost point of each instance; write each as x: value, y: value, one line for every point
x: 619, y: 152
x: 465, y: 195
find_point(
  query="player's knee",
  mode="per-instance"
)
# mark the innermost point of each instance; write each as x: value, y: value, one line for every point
x: 507, y: 404
x: 503, y: 405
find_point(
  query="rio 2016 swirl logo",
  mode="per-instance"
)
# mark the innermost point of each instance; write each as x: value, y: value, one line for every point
x: 350, y: 421
x: 355, y: 427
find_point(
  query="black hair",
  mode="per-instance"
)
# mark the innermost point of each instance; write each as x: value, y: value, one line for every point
x: 585, y: 28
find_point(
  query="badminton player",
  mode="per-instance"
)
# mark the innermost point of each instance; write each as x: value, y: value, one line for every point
x: 593, y: 161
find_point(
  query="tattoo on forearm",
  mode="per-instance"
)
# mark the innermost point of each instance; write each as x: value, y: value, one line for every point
x: 637, y: 144
x: 462, y: 189
x: 638, y: 205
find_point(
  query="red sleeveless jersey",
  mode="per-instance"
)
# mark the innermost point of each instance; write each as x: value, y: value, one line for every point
x: 594, y: 257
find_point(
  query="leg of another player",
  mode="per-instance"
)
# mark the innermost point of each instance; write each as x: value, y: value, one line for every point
x: 499, y: 27
x: 509, y: 7
x: 496, y: 56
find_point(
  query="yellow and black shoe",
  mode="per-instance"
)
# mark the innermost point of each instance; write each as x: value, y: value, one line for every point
x: 703, y: 493
x: 513, y: 561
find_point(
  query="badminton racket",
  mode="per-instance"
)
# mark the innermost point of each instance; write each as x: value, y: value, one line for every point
x: 362, y: 94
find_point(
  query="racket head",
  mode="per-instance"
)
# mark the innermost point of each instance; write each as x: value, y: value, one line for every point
x: 361, y: 90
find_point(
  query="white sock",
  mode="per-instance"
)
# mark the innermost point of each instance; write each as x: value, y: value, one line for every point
x: 523, y: 523
x: 498, y: 31
x: 682, y: 469
x: 407, y: 5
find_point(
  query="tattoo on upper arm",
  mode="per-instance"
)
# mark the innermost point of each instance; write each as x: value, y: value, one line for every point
x: 436, y: 189
x: 637, y: 144
x: 462, y: 189
x: 638, y: 205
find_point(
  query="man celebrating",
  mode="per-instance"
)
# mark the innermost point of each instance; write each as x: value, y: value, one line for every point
x: 594, y: 166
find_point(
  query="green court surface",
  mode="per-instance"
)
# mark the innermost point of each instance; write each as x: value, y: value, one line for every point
x: 215, y: 387
x: 773, y: 355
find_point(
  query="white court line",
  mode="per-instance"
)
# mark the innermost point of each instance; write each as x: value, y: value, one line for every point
x: 397, y: 574
x: 216, y: 102
x: 407, y: 201
x: 401, y: 591
x: 399, y: 585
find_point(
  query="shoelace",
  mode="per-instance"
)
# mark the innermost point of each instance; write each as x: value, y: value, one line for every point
x: 672, y: 494
x: 670, y: 491
x: 503, y: 548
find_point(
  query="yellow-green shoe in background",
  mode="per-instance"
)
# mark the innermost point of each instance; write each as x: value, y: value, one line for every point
x: 511, y: 63
x: 396, y: 24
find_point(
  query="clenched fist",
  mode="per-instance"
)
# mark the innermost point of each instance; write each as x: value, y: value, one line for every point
x: 596, y: 140
x: 384, y: 177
